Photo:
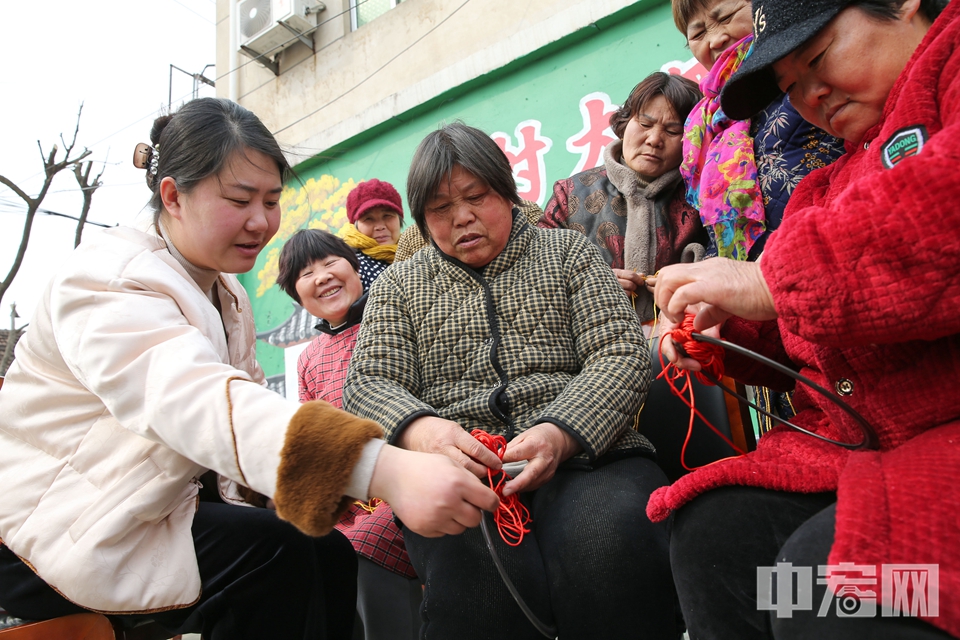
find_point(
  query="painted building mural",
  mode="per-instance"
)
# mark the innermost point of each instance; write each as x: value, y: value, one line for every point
x: 550, y: 117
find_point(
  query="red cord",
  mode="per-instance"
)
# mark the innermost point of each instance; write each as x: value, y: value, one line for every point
x: 512, y: 517
x: 710, y: 358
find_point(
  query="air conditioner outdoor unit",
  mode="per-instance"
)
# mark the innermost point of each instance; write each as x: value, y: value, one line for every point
x: 267, y: 27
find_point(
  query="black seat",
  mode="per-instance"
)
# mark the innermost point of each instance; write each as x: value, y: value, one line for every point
x: 665, y: 418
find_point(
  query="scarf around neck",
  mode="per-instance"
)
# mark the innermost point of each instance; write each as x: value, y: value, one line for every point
x: 640, y: 230
x: 364, y: 243
x: 718, y: 165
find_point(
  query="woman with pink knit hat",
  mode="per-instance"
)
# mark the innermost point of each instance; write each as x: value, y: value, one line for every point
x: 375, y: 212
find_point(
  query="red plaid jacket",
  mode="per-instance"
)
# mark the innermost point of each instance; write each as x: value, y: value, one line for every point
x: 375, y: 536
x: 322, y: 369
x: 323, y: 365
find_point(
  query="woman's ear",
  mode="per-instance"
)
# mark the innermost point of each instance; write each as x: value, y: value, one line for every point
x: 909, y: 10
x: 170, y: 196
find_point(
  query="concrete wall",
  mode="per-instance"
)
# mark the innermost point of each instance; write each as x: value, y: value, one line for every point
x: 410, y: 55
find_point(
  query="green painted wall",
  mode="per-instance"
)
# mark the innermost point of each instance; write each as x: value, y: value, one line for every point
x: 547, y: 88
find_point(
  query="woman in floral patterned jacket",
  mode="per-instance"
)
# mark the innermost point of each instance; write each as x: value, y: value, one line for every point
x: 749, y: 168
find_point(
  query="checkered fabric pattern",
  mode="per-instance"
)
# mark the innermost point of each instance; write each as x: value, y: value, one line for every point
x: 322, y: 367
x: 375, y: 536
x: 545, y: 334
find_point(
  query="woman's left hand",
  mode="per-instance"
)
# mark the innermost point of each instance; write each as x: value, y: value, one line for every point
x: 544, y: 446
x: 669, y: 348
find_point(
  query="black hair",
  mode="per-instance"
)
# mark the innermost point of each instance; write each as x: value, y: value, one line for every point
x: 890, y: 9
x: 200, y: 138
x: 682, y: 95
x: 304, y: 248
x: 683, y: 11
x: 453, y: 145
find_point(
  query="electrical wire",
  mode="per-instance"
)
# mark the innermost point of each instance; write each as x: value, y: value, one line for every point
x: 545, y: 629
x: 48, y: 212
x: 283, y: 45
x: 153, y: 114
x: 870, y: 439
x: 378, y: 70
x: 102, y: 186
x: 195, y: 13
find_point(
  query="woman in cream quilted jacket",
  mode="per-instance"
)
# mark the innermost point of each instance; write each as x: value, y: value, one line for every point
x: 138, y: 374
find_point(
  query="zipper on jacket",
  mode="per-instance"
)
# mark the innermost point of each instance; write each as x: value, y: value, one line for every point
x: 502, y: 380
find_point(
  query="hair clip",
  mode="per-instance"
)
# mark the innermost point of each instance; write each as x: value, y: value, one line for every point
x: 146, y: 157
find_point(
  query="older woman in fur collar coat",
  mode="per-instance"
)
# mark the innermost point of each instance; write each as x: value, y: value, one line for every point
x: 632, y: 206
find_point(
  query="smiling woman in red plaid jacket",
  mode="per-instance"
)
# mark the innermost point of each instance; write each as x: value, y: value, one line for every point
x: 322, y: 273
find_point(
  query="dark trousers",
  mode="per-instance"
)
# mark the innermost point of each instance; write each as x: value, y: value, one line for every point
x: 594, y: 565
x: 721, y: 537
x: 261, y: 578
x: 388, y: 603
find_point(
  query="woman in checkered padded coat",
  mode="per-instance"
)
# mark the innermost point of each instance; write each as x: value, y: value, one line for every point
x: 525, y: 333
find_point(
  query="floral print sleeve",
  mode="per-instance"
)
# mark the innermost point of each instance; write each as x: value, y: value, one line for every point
x: 786, y: 148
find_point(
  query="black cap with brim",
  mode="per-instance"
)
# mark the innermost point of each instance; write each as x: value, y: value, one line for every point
x: 786, y: 24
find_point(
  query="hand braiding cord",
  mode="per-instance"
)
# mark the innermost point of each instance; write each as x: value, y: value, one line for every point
x: 687, y: 339
x: 512, y: 517
x: 511, y: 521
x: 710, y: 358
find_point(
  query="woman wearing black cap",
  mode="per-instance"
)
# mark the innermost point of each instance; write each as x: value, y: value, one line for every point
x: 856, y: 293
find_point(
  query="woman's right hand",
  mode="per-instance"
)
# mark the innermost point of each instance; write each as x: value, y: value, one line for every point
x: 715, y: 289
x: 430, y: 493
x: 431, y: 434
x: 630, y: 281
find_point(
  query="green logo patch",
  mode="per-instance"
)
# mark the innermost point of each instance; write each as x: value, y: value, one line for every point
x: 905, y: 143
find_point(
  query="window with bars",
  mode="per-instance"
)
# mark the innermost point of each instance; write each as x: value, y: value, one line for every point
x: 363, y: 11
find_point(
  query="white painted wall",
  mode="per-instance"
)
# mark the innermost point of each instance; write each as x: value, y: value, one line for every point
x: 409, y: 55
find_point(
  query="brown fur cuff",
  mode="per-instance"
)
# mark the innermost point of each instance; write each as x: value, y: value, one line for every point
x: 251, y: 497
x: 321, y: 447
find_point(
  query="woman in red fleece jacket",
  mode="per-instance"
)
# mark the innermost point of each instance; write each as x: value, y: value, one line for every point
x: 857, y: 292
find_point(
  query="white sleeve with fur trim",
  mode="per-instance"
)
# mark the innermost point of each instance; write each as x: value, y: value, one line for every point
x: 359, y: 484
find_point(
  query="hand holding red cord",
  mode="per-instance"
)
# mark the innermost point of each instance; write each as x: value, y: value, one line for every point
x: 716, y: 289
x: 544, y: 446
x: 431, y: 434
x: 668, y: 347
x: 708, y: 359
x: 511, y: 516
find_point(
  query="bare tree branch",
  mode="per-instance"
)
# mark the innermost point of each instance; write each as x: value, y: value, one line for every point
x: 82, y: 173
x: 17, y: 190
x: 76, y: 130
x: 51, y: 168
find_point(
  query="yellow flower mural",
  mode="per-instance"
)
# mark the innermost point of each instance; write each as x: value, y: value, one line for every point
x: 321, y: 203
